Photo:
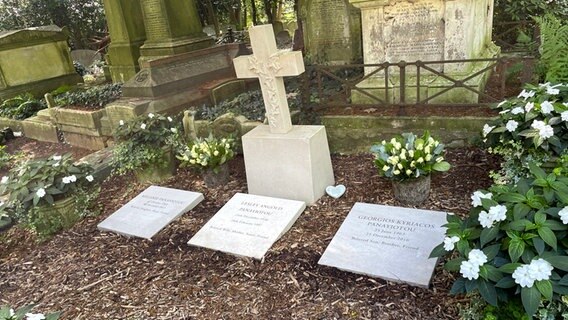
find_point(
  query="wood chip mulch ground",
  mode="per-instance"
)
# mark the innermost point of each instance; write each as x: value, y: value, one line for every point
x: 92, y: 275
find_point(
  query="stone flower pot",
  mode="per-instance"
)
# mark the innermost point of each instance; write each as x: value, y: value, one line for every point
x: 213, y: 180
x: 48, y: 219
x: 158, y: 172
x: 412, y: 192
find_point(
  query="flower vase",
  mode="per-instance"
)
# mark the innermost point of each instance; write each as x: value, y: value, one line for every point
x: 214, y: 179
x: 412, y: 192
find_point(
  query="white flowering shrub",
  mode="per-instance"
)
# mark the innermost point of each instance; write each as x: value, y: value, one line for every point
x: 513, y: 242
x: 407, y: 156
x: 532, y: 127
x: 37, y: 183
x: 24, y: 313
x: 144, y: 141
x: 209, y: 153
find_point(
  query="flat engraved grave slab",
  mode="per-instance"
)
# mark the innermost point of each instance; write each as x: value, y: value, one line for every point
x: 150, y: 211
x: 391, y: 243
x: 248, y: 225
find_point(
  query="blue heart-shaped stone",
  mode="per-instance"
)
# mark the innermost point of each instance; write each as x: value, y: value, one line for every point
x: 335, y: 192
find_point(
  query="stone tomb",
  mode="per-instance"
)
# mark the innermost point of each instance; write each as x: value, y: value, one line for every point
x: 35, y: 60
x: 426, y: 30
x: 248, y: 225
x: 150, y: 211
x: 281, y: 160
x: 391, y: 243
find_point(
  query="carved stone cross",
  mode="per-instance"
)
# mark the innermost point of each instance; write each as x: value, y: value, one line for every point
x: 270, y: 66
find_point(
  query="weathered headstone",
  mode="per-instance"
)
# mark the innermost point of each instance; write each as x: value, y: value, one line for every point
x: 35, y: 60
x: 86, y: 57
x: 426, y: 30
x: 172, y: 27
x: 295, y: 157
x: 332, y: 31
x: 248, y: 225
x: 126, y: 29
x: 150, y: 211
x: 391, y: 243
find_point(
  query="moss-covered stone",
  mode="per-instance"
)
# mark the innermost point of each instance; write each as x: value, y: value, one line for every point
x: 39, y: 129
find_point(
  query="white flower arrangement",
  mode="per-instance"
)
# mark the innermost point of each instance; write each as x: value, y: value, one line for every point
x: 470, y: 268
x: 208, y: 153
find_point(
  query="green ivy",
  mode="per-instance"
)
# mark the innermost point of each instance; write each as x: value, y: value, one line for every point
x: 21, y: 107
x: 92, y: 98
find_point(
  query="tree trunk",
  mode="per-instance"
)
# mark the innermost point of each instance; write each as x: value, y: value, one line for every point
x: 254, y: 12
x: 212, y: 17
x: 268, y: 6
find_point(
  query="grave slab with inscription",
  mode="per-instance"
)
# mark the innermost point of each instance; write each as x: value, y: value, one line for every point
x: 248, y: 225
x: 150, y: 211
x: 391, y: 243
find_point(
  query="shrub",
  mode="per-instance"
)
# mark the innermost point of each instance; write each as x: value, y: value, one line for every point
x: 532, y: 128
x: 21, y: 107
x: 141, y: 142
x: 553, y: 60
x: 209, y: 153
x: 92, y: 98
x: 409, y: 157
x: 24, y: 313
x: 513, y: 242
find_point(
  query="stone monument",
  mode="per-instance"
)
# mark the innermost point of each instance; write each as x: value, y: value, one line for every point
x: 281, y: 160
x: 172, y: 27
x: 426, y: 30
x: 35, y: 60
x: 126, y: 28
x: 332, y: 31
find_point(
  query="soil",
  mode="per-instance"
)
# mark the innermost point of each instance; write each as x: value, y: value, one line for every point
x: 92, y: 275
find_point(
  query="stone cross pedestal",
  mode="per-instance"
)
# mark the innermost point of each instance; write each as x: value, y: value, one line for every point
x: 281, y: 160
x: 270, y: 66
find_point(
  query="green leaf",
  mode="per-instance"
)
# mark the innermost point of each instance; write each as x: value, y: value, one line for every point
x: 538, y: 245
x: 458, y: 287
x: 555, y: 225
x: 520, y: 211
x: 492, y: 251
x: 491, y: 273
x: 488, y: 234
x: 516, y: 249
x: 563, y: 290
x: 438, y: 251
x: 53, y: 316
x: 531, y: 299
x: 487, y: 291
x: 441, y: 166
x: 537, y: 171
x: 548, y: 236
x: 545, y: 288
x: 506, y: 283
x: 509, y: 267
x: 559, y: 262
x: 513, y: 197
x: 454, y: 265
x: 539, y: 218
x: 519, y: 225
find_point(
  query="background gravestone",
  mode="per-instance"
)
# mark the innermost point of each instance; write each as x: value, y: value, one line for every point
x: 427, y: 30
x: 35, y: 60
x: 126, y: 29
x: 86, y: 57
x: 332, y: 31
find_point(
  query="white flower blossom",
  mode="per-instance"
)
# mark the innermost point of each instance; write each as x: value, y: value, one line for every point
x: 540, y: 269
x: 55, y: 165
x: 150, y: 115
x: 546, y: 107
x: 40, y: 192
x: 449, y: 243
x: 408, y: 172
x: 72, y: 178
x: 477, y: 256
x: 517, y: 110
x: 498, y: 213
x: 143, y: 126
x: 477, y: 196
x: 522, y: 276
x: 12, y: 313
x: 564, y: 116
x: 485, y: 220
x: 174, y: 130
x: 529, y: 106
x: 487, y: 129
x: 396, y: 172
x: 386, y: 168
x: 501, y: 104
x: 564, y: 215
x: 526, y: 94
x: 512, y: 125
x: 34, y: 316
x: 66, y: 180
x: 56, y: 158
x: 552, y: 91
x: 469, y: 270
x: 545, y: 131
x: 4, y: 180
x: 216, y: 153
x: 17, y: 133
x: 170, y: 119
x: 121, y: 123
x: 90, y: 178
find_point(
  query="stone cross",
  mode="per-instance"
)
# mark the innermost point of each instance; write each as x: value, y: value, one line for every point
x: 270, y: 66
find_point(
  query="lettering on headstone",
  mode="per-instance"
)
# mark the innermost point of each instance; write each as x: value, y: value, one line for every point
x: 155, y: 20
